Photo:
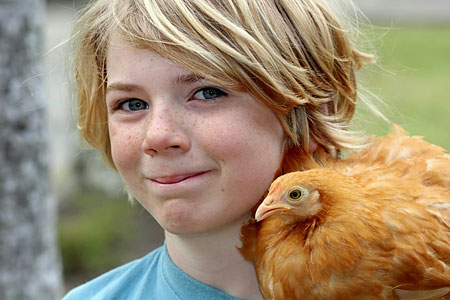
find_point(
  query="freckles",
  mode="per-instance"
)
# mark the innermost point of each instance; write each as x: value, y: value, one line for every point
x: 124, y: 145
x: 195, y: 122
x: 210, y: 134
x: 132, y: 139
x: 182, y: 121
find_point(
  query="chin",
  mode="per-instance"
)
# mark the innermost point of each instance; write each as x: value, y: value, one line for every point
x: 179, y: 227
x: 194, y: 227
x: 180, y: 219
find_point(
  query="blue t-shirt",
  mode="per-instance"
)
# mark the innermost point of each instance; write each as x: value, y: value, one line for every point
x: 154, y: 276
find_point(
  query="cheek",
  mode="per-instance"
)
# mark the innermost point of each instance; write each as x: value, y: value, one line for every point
x: 125, y: 146
x: 249, y: 148
x: 254, y: 140
x: 225, y: 138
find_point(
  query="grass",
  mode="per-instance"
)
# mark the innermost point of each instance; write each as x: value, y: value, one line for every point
x: 412, y: 77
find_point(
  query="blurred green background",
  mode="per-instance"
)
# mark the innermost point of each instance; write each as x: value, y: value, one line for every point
x: 412, y: 78
x: 99, y: 230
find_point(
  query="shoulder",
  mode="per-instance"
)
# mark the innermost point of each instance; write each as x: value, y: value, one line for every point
x: 120, y: 282
x: 154, y: 276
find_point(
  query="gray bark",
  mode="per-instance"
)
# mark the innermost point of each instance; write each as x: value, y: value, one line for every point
x: 29, y: 260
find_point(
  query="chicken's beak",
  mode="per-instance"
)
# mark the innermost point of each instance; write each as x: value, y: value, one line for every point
x: 265, y: 210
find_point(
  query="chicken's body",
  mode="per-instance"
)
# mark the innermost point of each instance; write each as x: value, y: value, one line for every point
x: 373, y: 226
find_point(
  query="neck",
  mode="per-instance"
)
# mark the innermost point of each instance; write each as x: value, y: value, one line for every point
x: 212, y: 258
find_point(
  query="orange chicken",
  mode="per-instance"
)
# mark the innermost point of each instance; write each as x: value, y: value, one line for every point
x: 373, y: 226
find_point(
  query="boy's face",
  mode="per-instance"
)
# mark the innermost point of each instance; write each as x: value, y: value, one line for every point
x: 196, y: 155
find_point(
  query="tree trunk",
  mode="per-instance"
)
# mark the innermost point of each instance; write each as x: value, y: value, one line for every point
x: 29, y: 260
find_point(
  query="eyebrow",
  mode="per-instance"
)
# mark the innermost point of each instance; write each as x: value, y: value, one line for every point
x: 124, y: 87
x: 188, y: 78
x: 179, y: 80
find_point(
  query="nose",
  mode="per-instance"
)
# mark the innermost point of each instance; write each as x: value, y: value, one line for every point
x: 165, y: 133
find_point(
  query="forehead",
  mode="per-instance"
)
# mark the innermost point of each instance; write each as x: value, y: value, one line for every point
x: 125, y: 61
x: 122, y: 48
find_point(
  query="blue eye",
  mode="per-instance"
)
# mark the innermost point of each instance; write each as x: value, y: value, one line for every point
x: 133, y: 105
x: 209, y: 93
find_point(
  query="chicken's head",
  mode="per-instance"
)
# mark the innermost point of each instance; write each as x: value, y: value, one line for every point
x: 300, y: 194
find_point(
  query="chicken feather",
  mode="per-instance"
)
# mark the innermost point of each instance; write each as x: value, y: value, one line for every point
x: 373, y: 226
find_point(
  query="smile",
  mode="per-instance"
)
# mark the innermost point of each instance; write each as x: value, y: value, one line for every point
x: 173, y: 179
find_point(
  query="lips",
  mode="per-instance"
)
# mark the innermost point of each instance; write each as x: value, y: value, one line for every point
x: 172, y: 179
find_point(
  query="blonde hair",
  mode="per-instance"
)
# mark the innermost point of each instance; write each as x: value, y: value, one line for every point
x: 293, y: 55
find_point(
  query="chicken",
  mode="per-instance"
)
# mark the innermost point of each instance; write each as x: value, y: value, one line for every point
x: 373, y: 226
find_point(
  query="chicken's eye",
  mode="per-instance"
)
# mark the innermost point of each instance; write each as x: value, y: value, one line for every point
x: 297, y: 193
